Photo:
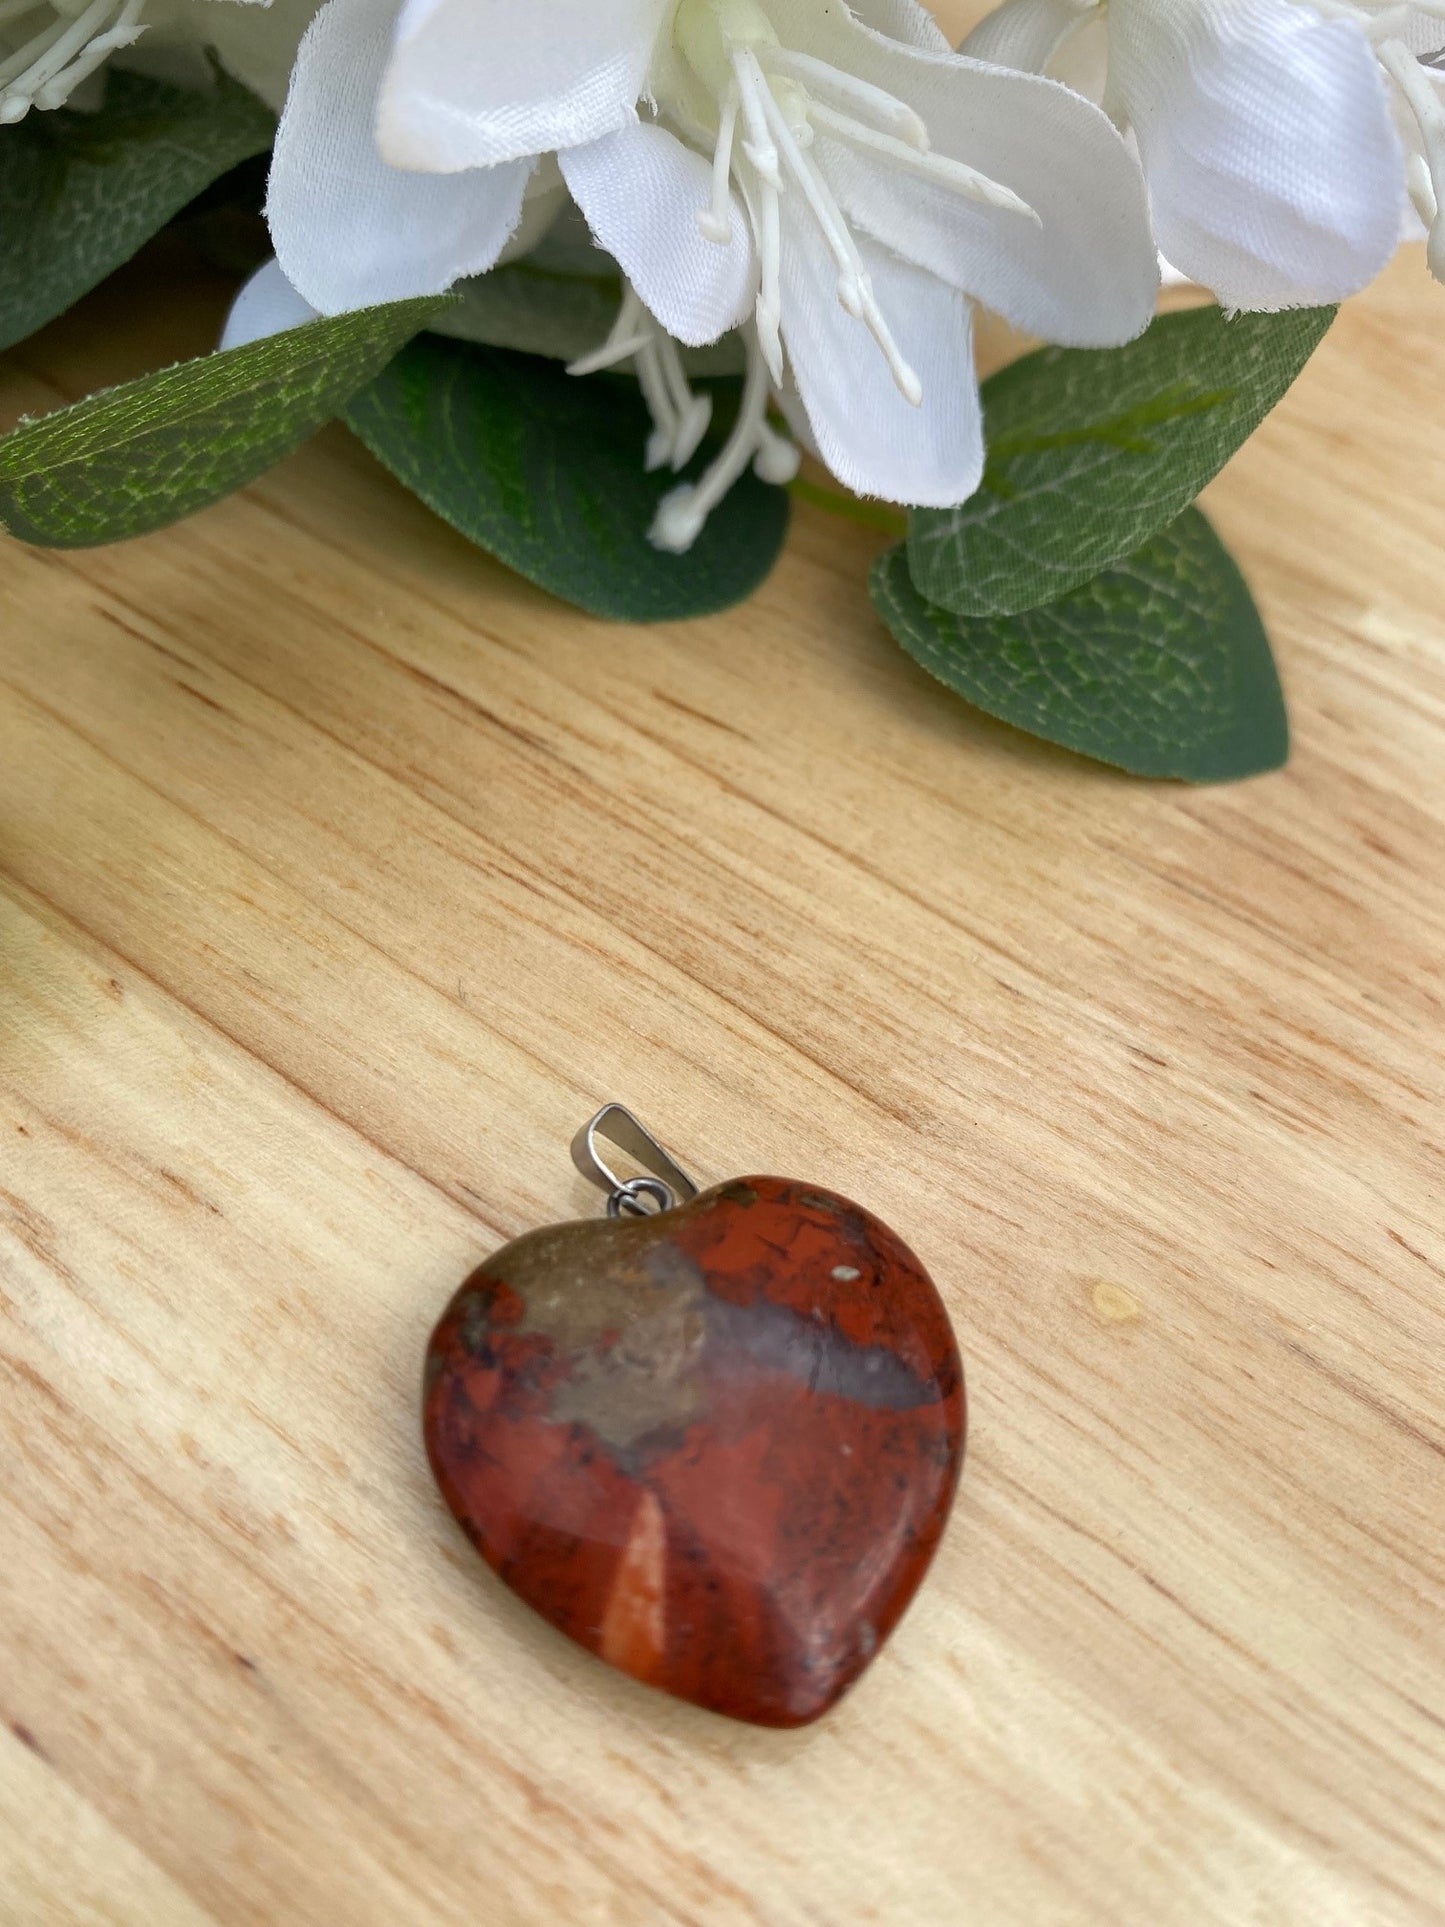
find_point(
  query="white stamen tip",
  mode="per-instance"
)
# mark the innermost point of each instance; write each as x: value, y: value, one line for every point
x: 777, y: 460
x: 919, y: 159
x: 770, y: 340
x: 909, y: 386
x: 682, y: 514
x: 714, y: 229
x: 678, y: 522
x: 765, y: 160
x: 690, y: 430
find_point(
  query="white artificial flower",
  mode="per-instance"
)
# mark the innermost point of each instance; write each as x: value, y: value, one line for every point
x: 1267, y: 128
x: 266, y: 305
x: 835, y: 178
x: 49, y: 48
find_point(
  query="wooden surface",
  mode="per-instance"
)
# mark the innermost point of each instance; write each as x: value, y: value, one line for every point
x: 343, y: 874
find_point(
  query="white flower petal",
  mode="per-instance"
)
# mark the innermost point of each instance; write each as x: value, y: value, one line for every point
x: 257, y: 43
x: 1422, y: 33
x: 1274, y: 168
x: 874, y: 441
x: 903, y: 20
x: 1082, y: 62
x: 1023, y: 33
x: 266, y: 305
x: 1086, y: 274
x: 642, y: 191
x: 475, y: 82
x: 543, y: 205
x: 348, y: 230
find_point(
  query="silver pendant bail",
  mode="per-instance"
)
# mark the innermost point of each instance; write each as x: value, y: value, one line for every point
x: 667, y: 1187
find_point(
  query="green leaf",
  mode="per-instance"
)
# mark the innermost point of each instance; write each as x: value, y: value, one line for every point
x: 137, y: 457
x: 536, y: 309
x: 1160, y: 665
x: 1093, y: 451
x: 80, y: 193
x: 546, y: 473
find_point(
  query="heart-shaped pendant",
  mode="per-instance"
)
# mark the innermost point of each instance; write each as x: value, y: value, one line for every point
x: 714, y: 1442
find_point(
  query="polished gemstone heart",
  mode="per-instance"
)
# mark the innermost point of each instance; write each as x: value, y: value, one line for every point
x: 715, y: 1446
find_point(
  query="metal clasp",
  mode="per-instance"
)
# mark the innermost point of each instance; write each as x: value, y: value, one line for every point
x: 669, y: 1185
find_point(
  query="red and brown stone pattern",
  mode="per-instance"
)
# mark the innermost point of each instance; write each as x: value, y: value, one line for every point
x: 716, y: 1447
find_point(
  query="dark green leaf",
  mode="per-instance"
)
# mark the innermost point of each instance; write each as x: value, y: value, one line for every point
x: 138, y: 457
x: 1160, y: 665
x: 80, y: 193
x: 537, y: 309
x: 1093, y: 451
x: 546, y: 472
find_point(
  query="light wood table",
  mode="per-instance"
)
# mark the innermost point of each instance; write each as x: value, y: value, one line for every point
x: 342, y: 874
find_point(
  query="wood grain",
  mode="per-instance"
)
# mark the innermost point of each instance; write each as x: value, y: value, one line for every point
x: 342, y: 874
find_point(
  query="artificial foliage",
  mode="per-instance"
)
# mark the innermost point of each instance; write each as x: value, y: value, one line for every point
x: 600, y: 352
x: 140, y: 456
x: 541, y: 470
x: 1158, y: 664
x: 81, y: 193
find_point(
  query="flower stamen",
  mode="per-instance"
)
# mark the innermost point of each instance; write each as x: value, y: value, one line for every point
x: 893, y: 115
x: 629, y: 335
x: 784, y: 99
x: 1417, y: 85
x: 680, y: 416
x: 666, y: 426
x: 855, y: 285
x: 692, y: 412
x: 769, y: 309
x: 682, y: 515
x: 716, y: 221
x: 957, y: 176
x: 754, y: 95
x: 46, y: 70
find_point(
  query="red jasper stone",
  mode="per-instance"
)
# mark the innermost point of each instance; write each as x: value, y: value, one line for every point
x: 716, y: 1446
